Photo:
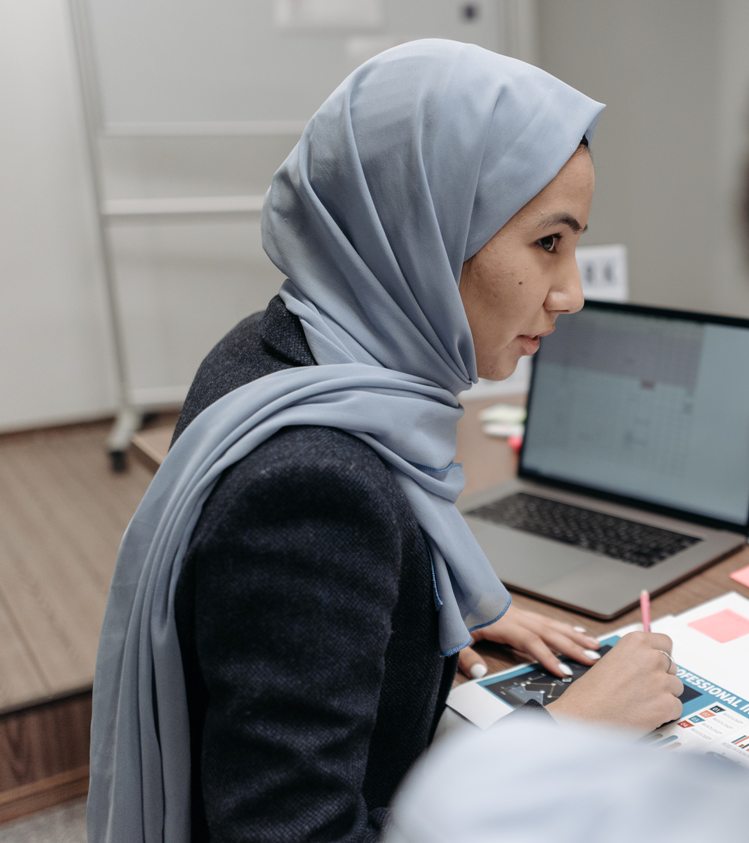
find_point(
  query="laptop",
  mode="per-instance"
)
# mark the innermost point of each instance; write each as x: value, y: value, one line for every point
x: 634, y: 470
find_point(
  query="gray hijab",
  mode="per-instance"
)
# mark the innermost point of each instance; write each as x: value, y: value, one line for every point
x: 407, y: 170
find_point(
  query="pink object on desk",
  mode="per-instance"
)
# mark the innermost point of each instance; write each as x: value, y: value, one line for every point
x: 741, y: 576
x: 723, y: 626
x: 515, y: 442
x: 645, y: 610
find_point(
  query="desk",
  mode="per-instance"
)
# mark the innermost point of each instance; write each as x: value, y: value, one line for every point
x: 488, y: 461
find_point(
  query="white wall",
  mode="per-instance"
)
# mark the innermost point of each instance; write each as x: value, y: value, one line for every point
x: 671, y: 144
x: 730, y: 150
x: 55, y: 362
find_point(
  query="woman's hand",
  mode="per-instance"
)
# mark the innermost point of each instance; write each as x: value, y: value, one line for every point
x: 535, y: 638
x: 634, y: 685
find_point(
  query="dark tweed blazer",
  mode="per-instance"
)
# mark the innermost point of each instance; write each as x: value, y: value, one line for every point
x: 307, y: 623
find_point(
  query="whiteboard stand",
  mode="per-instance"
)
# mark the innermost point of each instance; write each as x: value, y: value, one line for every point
x: 133, y: 407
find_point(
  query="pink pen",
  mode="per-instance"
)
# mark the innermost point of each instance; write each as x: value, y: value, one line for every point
x: 645, y: 610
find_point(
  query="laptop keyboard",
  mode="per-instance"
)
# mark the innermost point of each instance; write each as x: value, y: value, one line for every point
x: 619, y: 538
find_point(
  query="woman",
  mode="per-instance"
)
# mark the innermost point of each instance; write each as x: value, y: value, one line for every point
x: 293, y: 590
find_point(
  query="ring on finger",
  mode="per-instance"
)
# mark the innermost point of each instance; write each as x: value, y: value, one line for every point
x: 670, y: 660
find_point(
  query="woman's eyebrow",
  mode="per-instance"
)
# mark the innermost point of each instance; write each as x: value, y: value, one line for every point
x: 565, y: 219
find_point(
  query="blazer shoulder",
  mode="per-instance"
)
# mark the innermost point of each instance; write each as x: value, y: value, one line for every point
x: 306, y: 462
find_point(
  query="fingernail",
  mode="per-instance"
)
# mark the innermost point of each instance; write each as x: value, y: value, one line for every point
x: 477, y: 670
x: 565, y: 668
x: 591, y: 654
x: 579, y: 629
x: 593, y: 641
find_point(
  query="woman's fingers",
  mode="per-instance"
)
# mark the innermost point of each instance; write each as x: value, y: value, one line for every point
x: 471, y: 664
x: 661, y: 641
x: 578, y: 634
x: 559, y: 643
x: 632, y: 685
x: 540, y: 639
x: 564, y: 632
x: 535, y: 649
x: 671, y: 664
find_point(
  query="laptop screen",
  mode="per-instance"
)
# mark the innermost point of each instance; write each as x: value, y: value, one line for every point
x: 644, y: 404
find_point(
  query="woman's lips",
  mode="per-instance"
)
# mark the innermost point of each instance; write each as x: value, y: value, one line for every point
x: 530, y: 345
x: 532, y: 342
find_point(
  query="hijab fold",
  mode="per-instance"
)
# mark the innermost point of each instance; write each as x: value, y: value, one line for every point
x: 405, y: 172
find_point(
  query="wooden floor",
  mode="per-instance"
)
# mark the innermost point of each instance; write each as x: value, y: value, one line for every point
x: 62, y: 515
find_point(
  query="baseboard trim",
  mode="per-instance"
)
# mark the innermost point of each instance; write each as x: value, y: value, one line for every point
x: 29, y: 798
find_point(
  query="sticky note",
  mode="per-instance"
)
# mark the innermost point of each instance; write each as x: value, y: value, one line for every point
x: 722, y: 626
x: 742, y: 576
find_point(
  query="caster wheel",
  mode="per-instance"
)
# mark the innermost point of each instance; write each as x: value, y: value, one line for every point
x: 118, y: 461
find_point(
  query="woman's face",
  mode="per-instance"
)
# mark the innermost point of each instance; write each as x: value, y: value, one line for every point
x: 515, y: 287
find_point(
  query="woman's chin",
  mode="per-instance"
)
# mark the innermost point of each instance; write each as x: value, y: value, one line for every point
x: 499, y: 370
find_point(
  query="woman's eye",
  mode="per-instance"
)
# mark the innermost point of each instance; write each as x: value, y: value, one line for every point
x: 549, y: 243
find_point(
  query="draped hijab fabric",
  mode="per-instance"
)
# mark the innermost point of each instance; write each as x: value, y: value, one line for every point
x: 405, y: 171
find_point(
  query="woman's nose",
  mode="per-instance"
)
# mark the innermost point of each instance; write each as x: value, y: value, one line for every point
x: 567, y: 295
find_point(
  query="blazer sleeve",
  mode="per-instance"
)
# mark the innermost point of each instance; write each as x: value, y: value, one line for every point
x: 295, y: 587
